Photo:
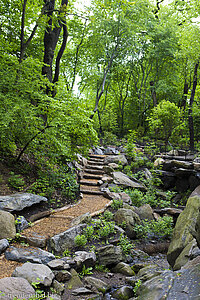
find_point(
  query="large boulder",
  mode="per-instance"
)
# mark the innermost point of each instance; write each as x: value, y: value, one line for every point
x: 185, y: 228
x: 35, y: 273
x: 7, y: 225
x: 34, y: 255
x: 65, y: 240
x: 15, y: 288
x: 109, y: 255
x: 19, y: 201
x: 118, y: 159
x: 123, y: 180
x: 129, y: 218
x: 3, y: 245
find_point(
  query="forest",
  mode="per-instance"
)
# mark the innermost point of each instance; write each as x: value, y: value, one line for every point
x: 74, y: 75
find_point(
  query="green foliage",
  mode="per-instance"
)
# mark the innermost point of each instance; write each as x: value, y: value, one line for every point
x: 16, y: 181
x: 85, y: 271
x: 66, y: 252
x: 101, y: 268
x: 80, y: 240
x: 164, y: 119
x: 125, y: 244
x: 138, y: 283
x: 106, y: 229
x: 108, y: 215
x: 89, y: 232
x: 162, y: 228
x: 117, y: 203
x: 109, y: 138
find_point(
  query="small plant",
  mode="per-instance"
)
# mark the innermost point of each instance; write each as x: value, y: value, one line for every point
x: 66, y: 252
x: 101, y: 268
x: 16, y: 181
x: 80, y: 240
x: 117, y: 203
x: 125, y: 244
x: 85, y: 271
x: 137, y: 285
x: 89, y: 232
x: 108, y: 215
x: 106, y: 229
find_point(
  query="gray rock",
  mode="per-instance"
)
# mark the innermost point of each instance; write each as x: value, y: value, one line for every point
x: 54, y: 297
x: 58, y: 287
x: 185, y: 228
x: 35, y: 239
x: 116, y: 159
x: 34, y: 255
x: 65, y: 240
x: 123, y: 293
x: 125, y: 198
x: 98, y: 151
x: 19, y: 201
x: 108, y: 170
x: 113, y: 165
x: 111, y: 150
x: 109, y: 255
x: 149, y: 272
x: 185, y: 255
x: 123, y: 268
x: 157, y: 287
x: 100, y: 285
x: 81, y: 291
x: 182, y: 164
x: 35, y: 273
x: 56, y: 264
x: 63, y: 275
x: 75, y: 281
x: 85, y: 218
x: 123, y: 180
x: 21, y: 223
x: 128, y: 217
x: 4, y: 244
x: 158, y: 162
x: 7, y: 225
x: 84, y: 258
x: 15, y: 287
x: 145, y: 212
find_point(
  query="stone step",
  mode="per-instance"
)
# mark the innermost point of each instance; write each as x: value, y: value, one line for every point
x: 91, y: 176
x: 94, y: 167
x: 97, y: 163
x: 89, y: 188
x: 90, y: 192
x: 97, y: 172
x: 95, y: 156
x: 90, y: 183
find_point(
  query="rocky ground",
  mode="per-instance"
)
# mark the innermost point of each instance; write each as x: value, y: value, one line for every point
x: 52, y: 257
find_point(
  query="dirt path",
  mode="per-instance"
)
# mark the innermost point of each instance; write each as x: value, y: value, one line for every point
x: 61, y: 220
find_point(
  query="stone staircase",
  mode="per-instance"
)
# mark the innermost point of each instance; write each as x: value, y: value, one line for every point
x: 93, y: 172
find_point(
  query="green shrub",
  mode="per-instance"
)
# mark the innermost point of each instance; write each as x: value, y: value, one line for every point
x: 80, y: 240
x: 16, y: 181
x: 117, y: 203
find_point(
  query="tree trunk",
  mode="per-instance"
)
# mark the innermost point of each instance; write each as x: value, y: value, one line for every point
x: 190, y: 117
x: 153, y: 93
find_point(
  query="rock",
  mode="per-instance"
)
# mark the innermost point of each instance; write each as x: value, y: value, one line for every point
x: 85, y: 218
x: 34, y: 255
x: 75, y: 281
x: 84, y: 258
x: 118, y: 159
x: 123, y: 293
x: 106, y: 178
x: 109, y: 255
x: 111, y: 150
x: 128, y: 217
x: 7, y: 225
x: 4, y: 244
x: 58, y: 287
x: 19, y: 201
x: 54, y: 297
x: 35, y: 273
x: 15, y: 288
x: 100, y: 285
x: 196, y: 166
x: 173, y: 153
x: 56, y: 264
x: 123, y: 268
x: 157, y: 287
x: 185, y: 227
x: 112, y: 195
x: 115, y: 166
x: 82, y: 160
x: 185, y: 255
x: 35, y: 239
x: 180, y: 172
x: 98, y: 151
x: 81, y: 291
x: 149, y: 272
x: 168, y: 178
x: 65, y: 240
x: 125, y: 198
x: 158, y: 162
x: 63, y: 275
x: 21, y: 223
x: 108, y: 170
x: 123, y: 180
x: 182, y: 164
x: 145, y: 212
